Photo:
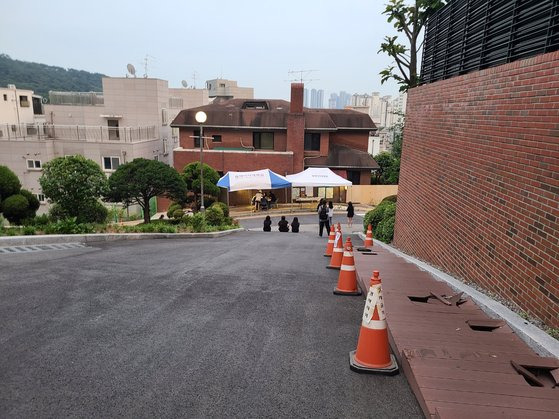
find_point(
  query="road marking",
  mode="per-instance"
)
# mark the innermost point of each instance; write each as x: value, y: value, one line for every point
x: 41, y: 247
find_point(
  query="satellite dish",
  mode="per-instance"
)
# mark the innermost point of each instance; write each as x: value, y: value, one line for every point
x: 44, y: 100
x: 131, y: 69
x: 184, y: 84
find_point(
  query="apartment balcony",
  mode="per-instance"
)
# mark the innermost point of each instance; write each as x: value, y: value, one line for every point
x: 30, y: 132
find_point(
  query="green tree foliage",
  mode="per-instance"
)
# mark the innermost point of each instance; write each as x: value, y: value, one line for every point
x: 9, y: 183
x: 140, y: 180
x: 41, y: 78
x: 389, y: 172
x: 409, y: 20
x: 75, y: 185
x: 33, y: 203
x: 191, y: 176
x: 15, y: 208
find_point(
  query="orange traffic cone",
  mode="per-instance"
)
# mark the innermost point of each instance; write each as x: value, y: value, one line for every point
x: 330, y: 245
x: 347, y: 280
x: 373, y: 353
x: 337, y: 252
x: 368, y: 240
x: 369, y: 237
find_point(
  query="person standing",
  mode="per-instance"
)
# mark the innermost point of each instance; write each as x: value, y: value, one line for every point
x: 350, y: 214
x: 323, y: 217
x: 330, y: 212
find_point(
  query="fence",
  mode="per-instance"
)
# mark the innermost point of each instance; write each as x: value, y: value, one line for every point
x: 76, y: 132
x: 469, y: 35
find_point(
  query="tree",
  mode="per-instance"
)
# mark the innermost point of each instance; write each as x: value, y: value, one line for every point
x: 410, y: 21
x: 9, y: 183
x: 75, y: 185
x: 389, y: 171
x: 191, y: 176
x: 33, y: 203
x: 140, y: 180
x: 14, y: 208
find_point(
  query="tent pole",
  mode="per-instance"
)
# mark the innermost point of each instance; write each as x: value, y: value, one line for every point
x: 227, y: 196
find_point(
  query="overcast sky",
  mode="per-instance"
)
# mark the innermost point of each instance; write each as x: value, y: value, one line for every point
x: 255, y: 42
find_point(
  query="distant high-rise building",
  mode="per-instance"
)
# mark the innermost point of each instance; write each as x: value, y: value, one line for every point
x: 320, y: 99
x: 333, y: 101
x: 313, y: 98
x: 306, y: 98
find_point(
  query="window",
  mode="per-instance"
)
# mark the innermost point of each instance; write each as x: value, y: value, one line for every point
x: 354, y: 176
x: 263, y: 140
x: 5, y: 97
x: 216, y: 138
x: 156, y: 157
x: 255, y: 105
x: 312, y: 141
x: 37, y: 106
x: 111, y: 163
x: 40, y: 197
x: 23, y: 102
x: 196, y: 134
x: 114, y: 133
x: 165, y: 148
x: 34, y: 164
x: 221, y: 84
x: 164, y: 116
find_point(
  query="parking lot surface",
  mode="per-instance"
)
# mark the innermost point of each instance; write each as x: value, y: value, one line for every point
x: 241, y: 326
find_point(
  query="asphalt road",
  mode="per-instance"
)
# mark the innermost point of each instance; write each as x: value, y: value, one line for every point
x: 242, y: 326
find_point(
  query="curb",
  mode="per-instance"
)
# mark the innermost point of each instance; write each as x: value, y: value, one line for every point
x: 101, y: 237
x: 536, y: 338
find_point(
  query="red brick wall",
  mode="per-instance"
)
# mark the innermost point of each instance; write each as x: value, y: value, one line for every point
x: 224, y: 161
x: 479, y: 182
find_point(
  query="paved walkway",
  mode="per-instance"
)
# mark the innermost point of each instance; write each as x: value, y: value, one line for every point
x: 241, y: 326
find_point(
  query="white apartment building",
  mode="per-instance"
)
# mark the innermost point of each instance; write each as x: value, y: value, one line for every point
x: 129, y: 119
x: 383, y: 110
x: 228, y: 89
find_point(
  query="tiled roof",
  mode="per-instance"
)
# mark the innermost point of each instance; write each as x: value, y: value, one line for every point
x: 232, y: 113
x: 344, y: 157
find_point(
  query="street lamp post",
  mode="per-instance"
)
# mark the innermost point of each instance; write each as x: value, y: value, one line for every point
x: 201, y: 118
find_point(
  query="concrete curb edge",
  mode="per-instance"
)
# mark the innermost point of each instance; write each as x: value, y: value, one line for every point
x: 105, y: 237
x: 536, y: 338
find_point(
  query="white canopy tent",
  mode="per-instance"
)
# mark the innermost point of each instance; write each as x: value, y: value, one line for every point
x: 317, y: 176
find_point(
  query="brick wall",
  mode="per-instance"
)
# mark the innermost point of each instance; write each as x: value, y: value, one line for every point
x: 479, y: 182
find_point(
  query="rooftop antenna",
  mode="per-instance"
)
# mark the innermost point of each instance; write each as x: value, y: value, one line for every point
x: 146, y: 62
x: 300, y: 76
x: 132, y: 70
x: 184, y: 84
x: 194, y: 79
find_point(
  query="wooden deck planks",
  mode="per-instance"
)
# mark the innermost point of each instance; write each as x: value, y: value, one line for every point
x: 453, y: 370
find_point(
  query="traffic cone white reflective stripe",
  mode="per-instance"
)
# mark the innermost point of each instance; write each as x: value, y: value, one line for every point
x: 369, y: 237
x: 330, y: 244
x: 337, y: 253
x: 373, y: 352
x: 347, y: 279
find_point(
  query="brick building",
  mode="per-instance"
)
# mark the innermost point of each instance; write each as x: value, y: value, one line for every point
x: 279, y: 135
x: 479, y: 180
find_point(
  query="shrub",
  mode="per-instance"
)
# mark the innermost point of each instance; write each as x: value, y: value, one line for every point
x: 57, y: 213
x: 93, y: 212
x: 9, y: 183
x: 390, y: 198
x: 385, y: 229
x: 223, y: 207
x: 171, y: 210
x: 15, y: 208
x: 68, y: 226
x: 29, y: 231
x: 178, y: 214
x: 34, y: 203
x: 38, y: 221
x: 198, y: 222
x: 214, y: 215
x: 376, y: 215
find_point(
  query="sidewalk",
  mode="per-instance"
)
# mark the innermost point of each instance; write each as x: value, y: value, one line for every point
x: 458, y: 360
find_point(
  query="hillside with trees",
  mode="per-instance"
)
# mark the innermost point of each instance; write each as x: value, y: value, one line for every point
x: 41, y: 77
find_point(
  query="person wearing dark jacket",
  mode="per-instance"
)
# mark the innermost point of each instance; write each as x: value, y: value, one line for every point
x: 295, y: 225
x: 267, y: 223
x: 350, y: 214
x: 323, y: 217
x: 283, y: 225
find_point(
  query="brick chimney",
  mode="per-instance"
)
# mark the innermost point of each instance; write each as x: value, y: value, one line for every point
x: 297, y: 94
x: 296, y: 127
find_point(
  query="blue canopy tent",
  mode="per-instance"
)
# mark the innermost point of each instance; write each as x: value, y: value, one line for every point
x: 257, y: 179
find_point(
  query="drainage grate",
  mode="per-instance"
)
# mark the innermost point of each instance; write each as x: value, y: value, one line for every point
x: 41, y: 247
